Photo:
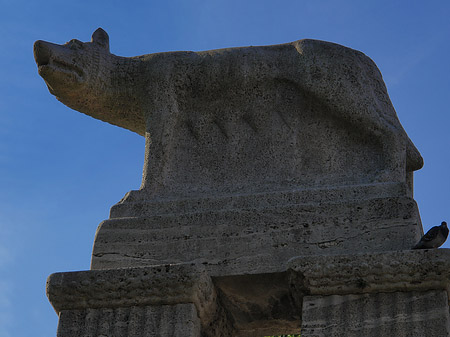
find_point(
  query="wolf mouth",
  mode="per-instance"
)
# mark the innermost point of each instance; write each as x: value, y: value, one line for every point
x: 67, y: 68
x: 61, y: 66
x: 45, y: 60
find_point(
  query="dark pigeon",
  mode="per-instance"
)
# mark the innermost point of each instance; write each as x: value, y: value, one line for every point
x: 434, y: 238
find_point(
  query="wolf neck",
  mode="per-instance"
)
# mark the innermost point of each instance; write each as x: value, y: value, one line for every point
x: 119, y: 95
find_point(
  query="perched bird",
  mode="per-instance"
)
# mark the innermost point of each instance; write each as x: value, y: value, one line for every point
x: 434, y: 238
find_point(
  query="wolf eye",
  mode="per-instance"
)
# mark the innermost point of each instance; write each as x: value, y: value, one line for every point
x: 75, y: 44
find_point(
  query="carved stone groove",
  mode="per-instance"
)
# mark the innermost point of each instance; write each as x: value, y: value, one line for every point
x: 399, y: 314
x: 142, y: 321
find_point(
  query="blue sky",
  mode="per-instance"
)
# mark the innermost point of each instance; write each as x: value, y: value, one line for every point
x: 61, y: 171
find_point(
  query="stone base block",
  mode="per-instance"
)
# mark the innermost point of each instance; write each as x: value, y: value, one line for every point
x: 259, y: 234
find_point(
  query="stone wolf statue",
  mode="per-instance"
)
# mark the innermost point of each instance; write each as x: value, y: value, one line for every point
x: 239, y: 120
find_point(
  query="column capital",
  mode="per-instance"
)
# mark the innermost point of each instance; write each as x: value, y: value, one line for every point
x: 169, y: 284
x: 411, y: 270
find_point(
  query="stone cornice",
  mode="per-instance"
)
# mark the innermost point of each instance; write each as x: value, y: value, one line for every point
x: 413, y: 270
x: 160, y: 285
x: 306, y: 275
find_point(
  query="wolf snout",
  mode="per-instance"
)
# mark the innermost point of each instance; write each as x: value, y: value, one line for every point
x: 41, y: 53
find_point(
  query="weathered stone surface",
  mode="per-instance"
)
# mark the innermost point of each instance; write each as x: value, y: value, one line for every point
x: 244, y: 240
x: 399, y: 314
x: 401, y: 293
x: 254, y: 156
x: 159, y: 285
x: 146, y: 321
x: 164, y: 300
x: 259, y: 305
x: 410, y: 270
x: 133, y: 206
x: 241, y: 120
x: 341, y: 295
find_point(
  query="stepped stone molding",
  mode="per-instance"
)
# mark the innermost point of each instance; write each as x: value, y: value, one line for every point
x: 134, y: 203
x: 260, y: 239
x: 414, y: 270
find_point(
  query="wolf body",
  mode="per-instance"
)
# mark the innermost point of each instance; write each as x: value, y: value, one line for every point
x: 240, y: 119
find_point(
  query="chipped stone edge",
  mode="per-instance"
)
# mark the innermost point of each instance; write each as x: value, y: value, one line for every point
x: 412, y: 270
x: 157, y: 285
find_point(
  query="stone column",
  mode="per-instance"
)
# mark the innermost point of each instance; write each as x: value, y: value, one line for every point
x: 160, y: 301
x: 399, y: 314
x: 403, y: 293
x: 135, y: 321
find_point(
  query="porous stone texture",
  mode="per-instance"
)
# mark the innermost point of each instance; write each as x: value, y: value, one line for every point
x: 164, y: 300
x: 252, y: 119
x: 158, y: 285
x: 259, y: 304
x: 253, y: 156
x: 147, y: 321
x: 371, y: 273
x: 243, y: 239
x: 400, y: 293
x: 399, y: 314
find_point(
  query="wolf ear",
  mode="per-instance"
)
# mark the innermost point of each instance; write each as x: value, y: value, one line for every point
x: 101, y: 38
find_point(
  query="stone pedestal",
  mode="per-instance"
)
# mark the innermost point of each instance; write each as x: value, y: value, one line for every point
x: 257, y: 233
x: 399, y: 293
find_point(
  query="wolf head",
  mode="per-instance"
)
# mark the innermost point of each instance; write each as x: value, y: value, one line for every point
x: 66, y: 68
x: 85, y: 77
